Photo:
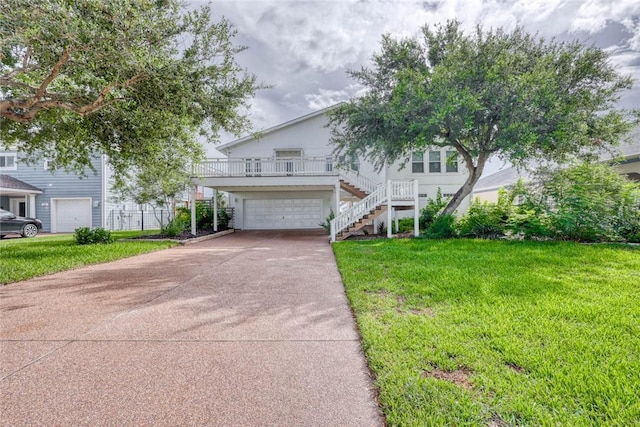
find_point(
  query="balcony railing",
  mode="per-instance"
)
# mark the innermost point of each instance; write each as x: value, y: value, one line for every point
x: 265, y: 167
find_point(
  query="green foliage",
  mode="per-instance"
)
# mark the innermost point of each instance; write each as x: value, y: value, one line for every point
x: 592, y: 202
x: 87, y: 236
x: 432, y: 209
x: 204, y: 214
x: 483, y: 220
x: 510, y: 95
x: 327, y: 222
x: 477, y: 332
x: 444, y: 227
x: 174, y: 227
x: 133, y: 80
x: 405, y: 225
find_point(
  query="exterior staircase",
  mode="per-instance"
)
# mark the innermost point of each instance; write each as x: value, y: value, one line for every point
x: 384, y: 198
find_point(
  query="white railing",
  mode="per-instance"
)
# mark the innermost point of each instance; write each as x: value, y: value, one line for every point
x: 356, y: 179
x: 394, y: 190
x: 264, y: 167
x: 358, y: 211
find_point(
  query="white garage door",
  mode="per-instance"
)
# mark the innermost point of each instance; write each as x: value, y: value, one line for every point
x: 275, y: 214
x: 71, y: 214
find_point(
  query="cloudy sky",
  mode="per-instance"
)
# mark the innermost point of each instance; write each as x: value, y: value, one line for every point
x: 304, y: 48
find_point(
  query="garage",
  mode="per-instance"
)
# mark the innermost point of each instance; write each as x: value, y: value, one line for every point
x: 69, y: 214
x: 277, y: 214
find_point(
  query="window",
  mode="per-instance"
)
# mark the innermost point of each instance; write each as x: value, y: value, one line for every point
x: 417, y: 163
x: 452, y: 161
x: 8, y: 161
x: 329, y: 164
x: 434, y: 161
x: 355, y: 164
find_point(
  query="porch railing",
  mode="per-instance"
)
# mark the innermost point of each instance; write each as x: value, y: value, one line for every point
x: 265, y: 167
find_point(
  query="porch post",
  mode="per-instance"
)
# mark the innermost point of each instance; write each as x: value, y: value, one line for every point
x: 395, y: 219
x: 416, y: 210
x: 336, y: 211
x: 389, y: 207
x: 215, y: 209
x: 31, y: 206
x: 192, y: 203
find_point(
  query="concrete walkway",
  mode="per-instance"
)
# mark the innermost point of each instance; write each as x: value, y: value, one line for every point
x: 252, y: 329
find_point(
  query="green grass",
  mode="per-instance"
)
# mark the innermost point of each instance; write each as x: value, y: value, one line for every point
x: 22, y: 259
x: 472, y: 332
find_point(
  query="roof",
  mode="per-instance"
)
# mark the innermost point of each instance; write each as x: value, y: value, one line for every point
x: 257, y: 135
x: 500, y: 179
x: 629, y: 150
x: 10, y: 183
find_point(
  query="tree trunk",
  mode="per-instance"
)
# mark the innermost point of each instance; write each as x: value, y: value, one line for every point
x: 475, y: 172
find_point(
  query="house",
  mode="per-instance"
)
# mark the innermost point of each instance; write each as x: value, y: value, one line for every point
x: 62, y: 201
x: 627, y: 163
x: 287, y: 177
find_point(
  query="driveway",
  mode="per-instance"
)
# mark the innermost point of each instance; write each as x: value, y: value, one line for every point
x: 251, y: 329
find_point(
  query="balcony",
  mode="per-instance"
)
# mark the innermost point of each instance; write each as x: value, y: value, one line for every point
x: 265, y: 167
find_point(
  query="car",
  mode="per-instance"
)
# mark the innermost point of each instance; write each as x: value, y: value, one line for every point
x: 12, y: 224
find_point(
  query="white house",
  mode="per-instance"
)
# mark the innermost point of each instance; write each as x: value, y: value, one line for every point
x: 286, y: 177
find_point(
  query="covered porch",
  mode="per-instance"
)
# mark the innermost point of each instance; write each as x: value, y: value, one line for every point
x: 18, y: 196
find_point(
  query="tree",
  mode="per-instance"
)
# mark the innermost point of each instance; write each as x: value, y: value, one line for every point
x: 511, y: 95
x: 129, y: 79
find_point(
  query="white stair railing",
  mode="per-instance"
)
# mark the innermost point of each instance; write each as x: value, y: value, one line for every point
x: 358, y: 211
x: 357, y: 180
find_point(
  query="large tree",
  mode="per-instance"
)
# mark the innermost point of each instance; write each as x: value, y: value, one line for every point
x: 490, y: 93
x: 126, y: 78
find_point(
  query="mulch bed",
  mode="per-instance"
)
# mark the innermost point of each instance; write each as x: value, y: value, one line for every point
x: 185, y: 235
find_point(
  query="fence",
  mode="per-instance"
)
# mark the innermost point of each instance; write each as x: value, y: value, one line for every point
x: 119, y: 220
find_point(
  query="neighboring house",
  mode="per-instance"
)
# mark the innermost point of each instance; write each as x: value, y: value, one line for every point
x: 62, y: 201
x: 628, y: 163
x: 287, y: 178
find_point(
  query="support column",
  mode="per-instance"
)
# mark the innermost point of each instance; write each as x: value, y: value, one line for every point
x: 416, y: 210
x: 215, y: 209
x: 31, y: 206
x: 389, y: 208
x: 192, y: 203
x: 336, y: 211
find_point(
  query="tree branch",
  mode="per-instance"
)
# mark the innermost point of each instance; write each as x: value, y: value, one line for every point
x: 54, y: 73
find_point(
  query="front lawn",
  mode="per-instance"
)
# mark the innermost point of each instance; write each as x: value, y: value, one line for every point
x: 22, y: 259
x: 476, y: 332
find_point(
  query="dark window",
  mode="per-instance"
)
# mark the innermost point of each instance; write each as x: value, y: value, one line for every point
x: 417, y: 163
x: 434, y: 161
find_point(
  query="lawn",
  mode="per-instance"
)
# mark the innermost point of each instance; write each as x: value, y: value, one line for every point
x: 493, y: 333
x: 22, y: 259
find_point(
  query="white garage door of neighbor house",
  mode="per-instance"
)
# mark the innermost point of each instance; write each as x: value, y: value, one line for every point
x: 275, y: 214
x: 71, y: 214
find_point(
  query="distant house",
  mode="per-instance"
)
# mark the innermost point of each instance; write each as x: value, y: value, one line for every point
x: 288, y: 178
x: 62, y: 201
x: 628, y: 163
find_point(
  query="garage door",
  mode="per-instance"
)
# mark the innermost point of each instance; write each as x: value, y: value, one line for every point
x: 71, y: 214
x: 277, y: 214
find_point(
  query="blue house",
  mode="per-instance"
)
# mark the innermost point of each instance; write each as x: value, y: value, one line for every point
x: 62, y: 201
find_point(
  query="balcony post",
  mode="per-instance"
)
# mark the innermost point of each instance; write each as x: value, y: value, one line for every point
x: 389, y: 208
x: 215, y: 209
x: 416, y: 208
x: 192, y: 204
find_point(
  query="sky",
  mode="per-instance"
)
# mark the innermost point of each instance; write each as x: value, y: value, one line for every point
x: 304, y: 48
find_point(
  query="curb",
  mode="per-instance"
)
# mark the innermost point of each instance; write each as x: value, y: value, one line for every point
x: 188, y: 241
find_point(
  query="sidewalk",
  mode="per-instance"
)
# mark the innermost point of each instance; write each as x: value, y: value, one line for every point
x: 252, y: 329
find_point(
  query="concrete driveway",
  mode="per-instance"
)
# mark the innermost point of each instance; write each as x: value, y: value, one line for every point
x: 251, y: 329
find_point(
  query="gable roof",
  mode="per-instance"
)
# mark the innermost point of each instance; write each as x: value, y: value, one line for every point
x: 501, y: 179
x: 8, y: 182
x: 257, y: 135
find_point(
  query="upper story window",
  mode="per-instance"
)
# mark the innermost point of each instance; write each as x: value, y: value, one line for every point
x: 452, y: 161
x: 434, y: 161
x: 8, y: 161
x: 329, y: 164
x: 417, y: 162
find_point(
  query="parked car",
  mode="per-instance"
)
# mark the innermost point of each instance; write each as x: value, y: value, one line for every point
x: 12, y: 224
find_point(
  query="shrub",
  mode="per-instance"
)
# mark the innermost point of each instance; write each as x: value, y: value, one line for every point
x: 327, y: 222
x: 405, y: 225
x: 86, y: 236
x: 444, y: 227
x: 592, y: 202
x: 174, y: 227
x: 432, y: 209
x: 483, y: 220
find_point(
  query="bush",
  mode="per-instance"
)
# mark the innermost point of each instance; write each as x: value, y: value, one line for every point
x: 432, y: 209
x: 592, y: 202
x: 86, y: 236
x: 327, y: 222
x: 483, y: 220
x: 174, y: 227
x: 444, y: 227
x: 405, y: 225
